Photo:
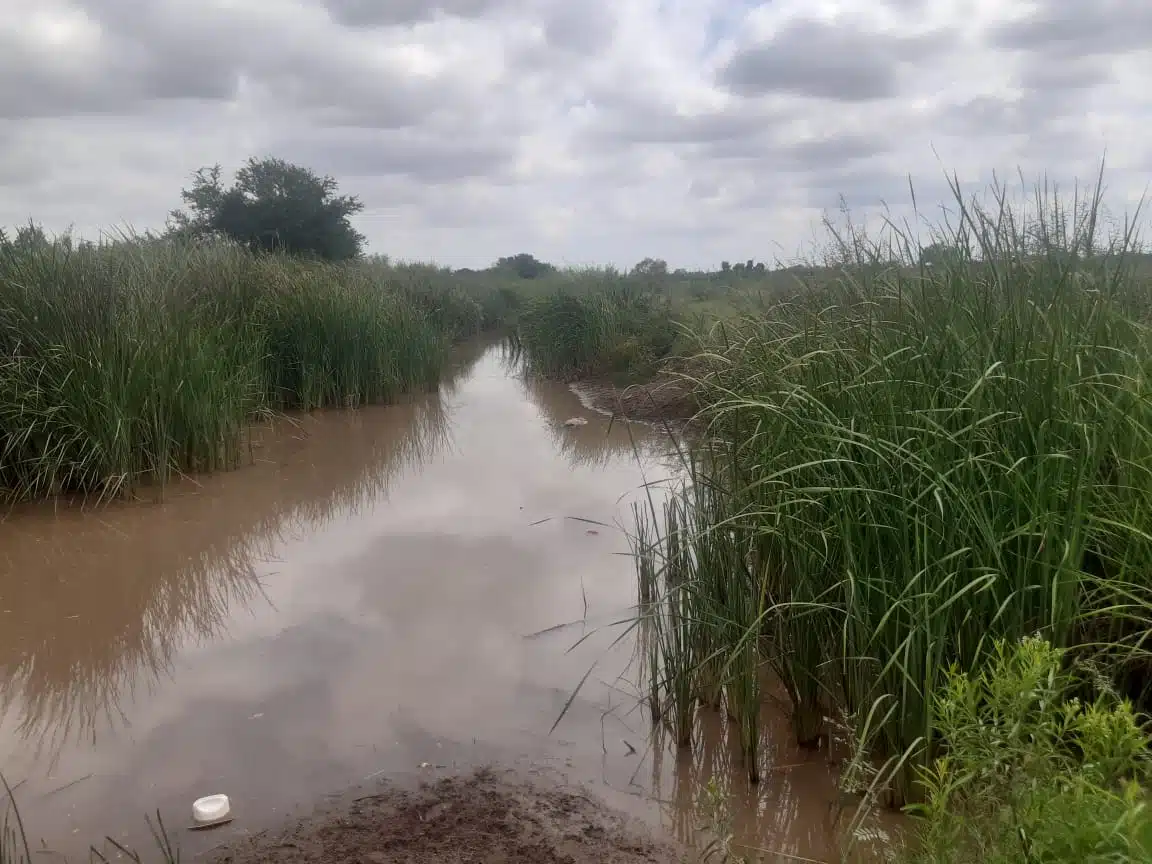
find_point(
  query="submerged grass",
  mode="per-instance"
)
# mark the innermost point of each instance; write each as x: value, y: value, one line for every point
x: 125, y: 363
x: 15, y: 849
x: 905, y: 466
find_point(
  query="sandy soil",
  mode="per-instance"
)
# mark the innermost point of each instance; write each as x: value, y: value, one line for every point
x: 485, y: 817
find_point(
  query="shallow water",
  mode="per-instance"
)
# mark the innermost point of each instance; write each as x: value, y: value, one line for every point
x: 382, y: 592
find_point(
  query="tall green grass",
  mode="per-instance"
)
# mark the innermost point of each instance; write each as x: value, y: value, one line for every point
x: 121, y: 364
x: 909, y: 464
x: 612, y: 329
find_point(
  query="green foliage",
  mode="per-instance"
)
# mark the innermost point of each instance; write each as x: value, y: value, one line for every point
x: 1031, y: 773
x: 525, y: 266
x: 651, y: 268
x: 909, y: 463
x: 499, y: 306
x: 613, y: 331
x: 122, y: 364
x: 272, y: 206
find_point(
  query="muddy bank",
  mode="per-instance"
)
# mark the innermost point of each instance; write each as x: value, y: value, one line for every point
x: 489, y: 816
x: 665, y: 400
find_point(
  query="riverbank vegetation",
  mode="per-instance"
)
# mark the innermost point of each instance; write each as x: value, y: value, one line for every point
x: 917, y: 496
x: 1033, y: 772
x: 614, y: 330
x: 900, y: 470
x: 125, y: 363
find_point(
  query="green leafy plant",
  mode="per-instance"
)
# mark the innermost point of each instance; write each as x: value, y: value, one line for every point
x: 1031, y: 773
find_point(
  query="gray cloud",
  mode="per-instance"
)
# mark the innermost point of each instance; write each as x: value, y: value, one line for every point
x: 340, y: 91
x: 1065, y: 52
x: 384, y: 13
x: 983, y: 114
x: 821, y: 61
x: 579, y: 27
x: 626, y: 119
x: 179, y: 49
x: 594, y: 132
x: 410, y: 154
x: 114, y: 69
x: 812, y: 154
x: 1068, y: 77
x: 856, y: 188
x: 1058, y: 27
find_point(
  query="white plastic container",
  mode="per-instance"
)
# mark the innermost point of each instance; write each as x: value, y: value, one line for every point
x: 211, y: 810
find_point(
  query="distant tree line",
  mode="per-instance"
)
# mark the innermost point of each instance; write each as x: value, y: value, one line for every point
x: 274, y: 206
x: 743, y: 268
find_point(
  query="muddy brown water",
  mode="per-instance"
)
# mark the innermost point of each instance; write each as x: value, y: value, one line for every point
x: 381, y: 593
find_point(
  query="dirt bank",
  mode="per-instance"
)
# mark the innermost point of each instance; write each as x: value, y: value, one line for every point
x: 485, y: 817
x: 664, y: 400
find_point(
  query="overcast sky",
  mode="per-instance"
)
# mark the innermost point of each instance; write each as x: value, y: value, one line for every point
x: 584, y: 131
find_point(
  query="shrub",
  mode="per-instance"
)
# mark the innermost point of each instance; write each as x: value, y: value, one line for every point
x: 1031, y: 773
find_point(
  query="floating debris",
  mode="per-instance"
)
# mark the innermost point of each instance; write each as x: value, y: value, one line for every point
x: 210, y: 811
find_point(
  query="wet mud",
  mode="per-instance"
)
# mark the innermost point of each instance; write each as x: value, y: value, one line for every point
x: 488, y: 816
x: 667, y: 401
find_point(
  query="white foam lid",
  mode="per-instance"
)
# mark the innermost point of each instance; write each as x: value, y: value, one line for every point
x: 210, y: 808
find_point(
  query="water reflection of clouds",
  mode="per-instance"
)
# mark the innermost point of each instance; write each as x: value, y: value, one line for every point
x: 95, y: 604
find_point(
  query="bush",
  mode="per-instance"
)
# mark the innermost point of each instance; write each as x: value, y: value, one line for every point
x: 1030, y: 773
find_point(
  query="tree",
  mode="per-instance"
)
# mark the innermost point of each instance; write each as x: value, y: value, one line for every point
x: 33, y: 236
x: 272, y: 205
x: 939, y: 255
x: 524, y: 265
x: 725, y: 267
x: 651, y: 267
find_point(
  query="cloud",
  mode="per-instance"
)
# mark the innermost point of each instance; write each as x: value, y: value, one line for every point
x: 412, y: 154
x: 384, y: 13
x: 597, y: 132
x: 65, y: 61
x: 578, y: 27
x: 1058, y: 28
x: 818, y: 60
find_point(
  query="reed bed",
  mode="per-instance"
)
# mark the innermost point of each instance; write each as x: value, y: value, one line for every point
x: 125, y: 363
x: 604, y: 326
x: 903, y: 467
